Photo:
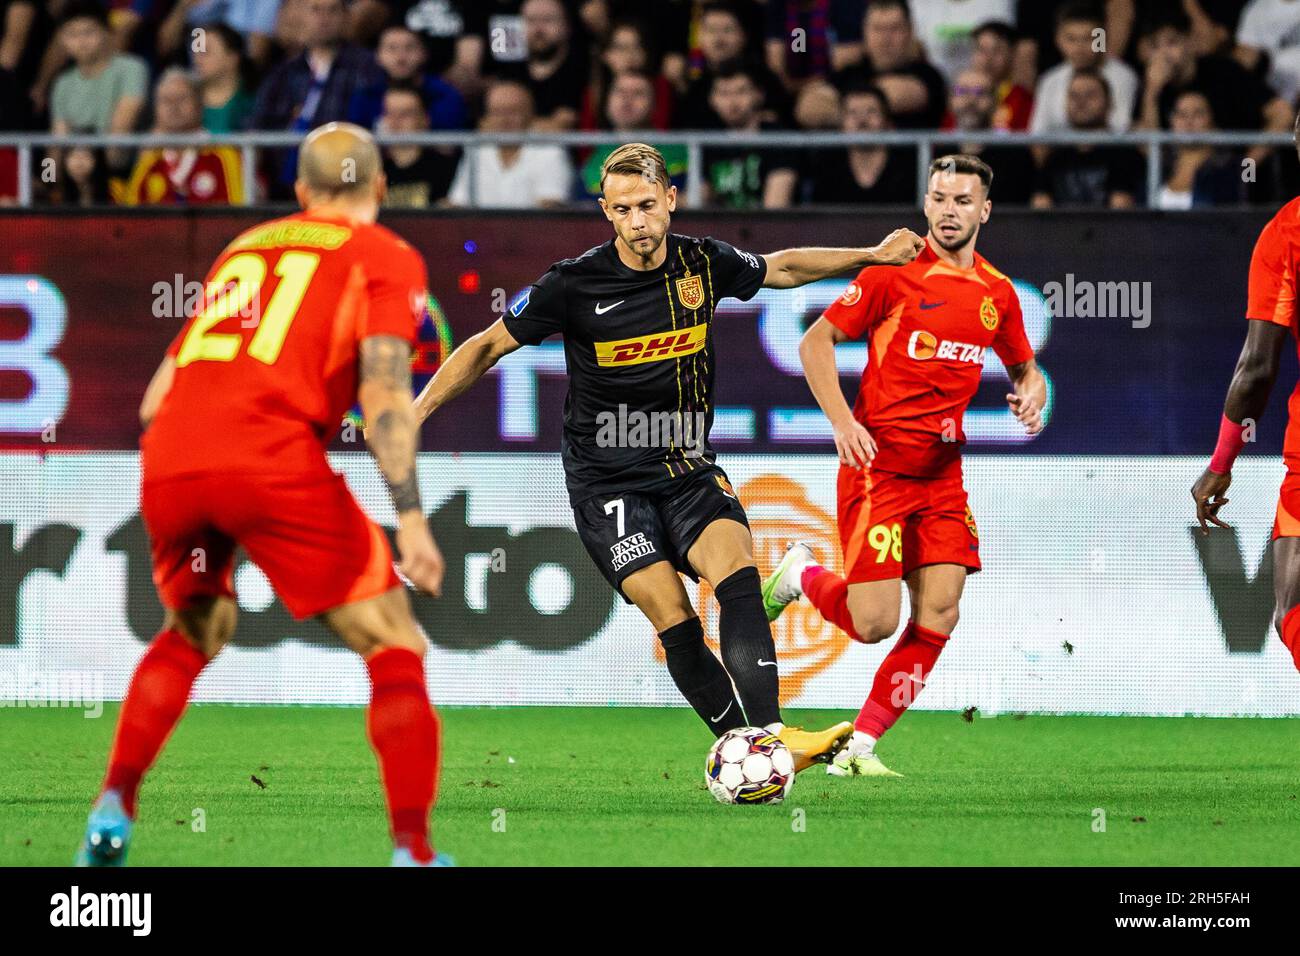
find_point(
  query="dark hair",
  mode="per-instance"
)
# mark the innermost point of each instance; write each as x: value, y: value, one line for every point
x: 1194, y: 90
x: 412, y: 88
x: 861, y: 88
x: 234, y: 41
x: 1167, y: 18
x: 1003, y: 31
x: 725, y: 6
x: 1095, y: 74
x: 644, y: 33
x: 1080, y: 11
x: 733, y: 69
x: 955, y: 163
x: 84, y: 10
x: 891, y: 5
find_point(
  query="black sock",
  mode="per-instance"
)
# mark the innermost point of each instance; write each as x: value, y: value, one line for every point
x: 700, y: 677
x: 747, y: 647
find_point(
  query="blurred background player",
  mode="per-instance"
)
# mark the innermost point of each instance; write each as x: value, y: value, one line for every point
x: 333, y: 300
x: 901, y: 501
x: 636, y: 316
x: 1270, y: 304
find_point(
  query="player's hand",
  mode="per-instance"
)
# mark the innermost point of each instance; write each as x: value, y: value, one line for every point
x: 854, y: 444
x: 1208, y: 493
x: 418, y: 557
x: 899, y: 248
x: 1027, y: 411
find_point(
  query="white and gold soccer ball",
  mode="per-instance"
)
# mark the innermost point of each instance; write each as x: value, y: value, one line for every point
x: 749, y: 765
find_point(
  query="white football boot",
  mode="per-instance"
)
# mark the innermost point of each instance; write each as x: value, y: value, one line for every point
x: 784, y: 586
x: 858, y: 759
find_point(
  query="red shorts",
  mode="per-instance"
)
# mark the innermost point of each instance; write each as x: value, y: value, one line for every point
x: 308, y: 535
x: 891, y: 524
x: 1286, y: 524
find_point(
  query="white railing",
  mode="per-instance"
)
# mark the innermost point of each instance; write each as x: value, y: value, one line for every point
x: 249, y: 144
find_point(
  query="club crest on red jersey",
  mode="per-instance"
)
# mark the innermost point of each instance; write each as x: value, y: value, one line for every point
x: 851, y: 294
x: 989, y: 313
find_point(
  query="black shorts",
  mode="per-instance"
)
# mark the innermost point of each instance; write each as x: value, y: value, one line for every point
x: 625, y: 531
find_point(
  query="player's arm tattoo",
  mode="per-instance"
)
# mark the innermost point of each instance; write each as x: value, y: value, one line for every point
x: 393, y: 434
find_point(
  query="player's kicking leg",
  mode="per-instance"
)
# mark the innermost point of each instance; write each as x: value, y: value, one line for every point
x: 401, y: 723
x: 1286, y: 591
x: 723, y: 556
x: 154, y: 702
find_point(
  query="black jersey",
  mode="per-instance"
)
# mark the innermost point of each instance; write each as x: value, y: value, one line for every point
x: 639, y: 351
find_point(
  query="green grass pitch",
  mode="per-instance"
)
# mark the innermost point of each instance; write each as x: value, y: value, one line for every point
x: 615, y: 786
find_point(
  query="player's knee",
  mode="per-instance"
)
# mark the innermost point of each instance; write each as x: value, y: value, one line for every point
x: 873, y: 626
x: 940, y: 617
x: 208, y: 626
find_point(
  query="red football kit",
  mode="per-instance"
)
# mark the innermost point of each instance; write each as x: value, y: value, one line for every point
x: 265, y: 371
x: 927, y: 325
x: 1271, y: 298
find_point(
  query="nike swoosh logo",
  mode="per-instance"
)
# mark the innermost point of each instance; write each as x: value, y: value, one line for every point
x: 763, y: 663
x: 927, y: 306
x: 714, y: 720
x: 600, y: 311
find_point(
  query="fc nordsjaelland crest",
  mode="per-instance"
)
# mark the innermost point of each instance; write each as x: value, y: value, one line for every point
x: 989, y: 313
x: 690, y: 291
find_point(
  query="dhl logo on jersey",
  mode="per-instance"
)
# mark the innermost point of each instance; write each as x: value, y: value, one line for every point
x: 925, y: 345
x: 654, y: 347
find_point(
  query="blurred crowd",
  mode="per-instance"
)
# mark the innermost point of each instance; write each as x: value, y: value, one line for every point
x: 506, y: 66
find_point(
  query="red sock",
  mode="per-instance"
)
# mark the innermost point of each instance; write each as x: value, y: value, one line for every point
x: 829, y: 593
x: 403, y: 730
x: 1291, y: 634
x: 152, y: 707
x: 900, y: 678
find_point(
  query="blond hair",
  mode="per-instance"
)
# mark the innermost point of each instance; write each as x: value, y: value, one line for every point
x: 635, y: 159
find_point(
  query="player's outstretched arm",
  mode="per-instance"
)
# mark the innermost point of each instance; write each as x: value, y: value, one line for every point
x: 853, y: 443
x: 1028, y: 395
x: 159, y: 386
x: 464, y: 367
x: 795, y: 267
x: 1252, y: 383
x: 394, y: 438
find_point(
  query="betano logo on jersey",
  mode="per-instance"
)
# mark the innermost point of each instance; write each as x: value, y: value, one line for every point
x: 925, y: 345
x: 654, y: 347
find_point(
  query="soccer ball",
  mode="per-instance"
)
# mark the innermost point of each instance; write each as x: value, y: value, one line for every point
x: 749, y: 765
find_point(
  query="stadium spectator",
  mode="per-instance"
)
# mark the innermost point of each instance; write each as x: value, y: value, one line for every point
x: 1097, y: 176
x: 946, y: 28
x: 181, y: 177
x: 222, y: 67
x: 973, y: 108
x: 993, y: 54
x: 817, y: 107
x: 864, y: 174
x: 1037, y: 23
x: 25, y: 31
x: 454, y: 33
x: 317, y: 85
x: 724, y: 46
x: 745, y: 177
x: 252, y: 19
x: 914, y: 89
x: 520, y: 175
x: 1083, y: 48
x: 417, y: 178
x: 555, y: 69
x: 1172, y: 67
x: 831, y: 37
x: 401, y: 56
x: 627, y: 48
x: 1197, y: 175
x: 1268, y: 36
x: 104, y: 91
x: 630, y: 108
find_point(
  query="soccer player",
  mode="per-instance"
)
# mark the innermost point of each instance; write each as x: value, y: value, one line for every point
x: 1270, y: 304
x: 302, y: 316
x: 636, y: 314
x: 901, y: 502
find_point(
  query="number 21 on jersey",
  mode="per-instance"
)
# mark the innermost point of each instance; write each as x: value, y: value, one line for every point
x: 236, y: 290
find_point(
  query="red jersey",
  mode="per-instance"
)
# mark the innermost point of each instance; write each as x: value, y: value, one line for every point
x: 171, y: 177
x: 268, y: 366
x: 1271, y: 298
x: 929, y: 324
